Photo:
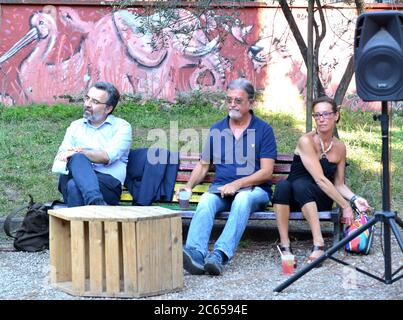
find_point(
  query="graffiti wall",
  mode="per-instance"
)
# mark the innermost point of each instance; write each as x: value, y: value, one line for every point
x: 50, y: 54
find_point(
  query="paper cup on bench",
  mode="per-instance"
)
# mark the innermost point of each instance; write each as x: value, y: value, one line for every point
x: 183, y: 198
x: 60, y: 167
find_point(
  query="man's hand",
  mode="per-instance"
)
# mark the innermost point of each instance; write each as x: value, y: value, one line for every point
x: 229, y: 189
x: 65, y: 155
x: 187, y: 188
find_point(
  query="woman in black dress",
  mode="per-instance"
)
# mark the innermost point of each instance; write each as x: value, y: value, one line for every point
x: 316, y: 179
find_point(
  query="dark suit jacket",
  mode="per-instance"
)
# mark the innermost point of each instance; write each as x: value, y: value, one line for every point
x: 148, y: 182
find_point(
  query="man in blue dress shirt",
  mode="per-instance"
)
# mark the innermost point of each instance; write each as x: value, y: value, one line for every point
x: 95, y: 149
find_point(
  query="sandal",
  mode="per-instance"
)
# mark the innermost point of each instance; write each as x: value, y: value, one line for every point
x: 312, y: 259
x: 288, y: 250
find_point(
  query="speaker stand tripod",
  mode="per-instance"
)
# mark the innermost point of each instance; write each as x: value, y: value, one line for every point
x: 386, y: 216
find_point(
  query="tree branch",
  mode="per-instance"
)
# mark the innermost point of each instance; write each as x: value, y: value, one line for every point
x: 320, y: 37
x: 348, y: 73
x: 300, y: 42
x: 294, y: 28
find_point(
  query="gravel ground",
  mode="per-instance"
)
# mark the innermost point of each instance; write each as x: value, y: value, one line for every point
x: 252, y: 275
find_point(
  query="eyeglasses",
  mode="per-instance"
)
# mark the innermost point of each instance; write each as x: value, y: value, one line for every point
x: 325, y: 115
x: 237, y: 101
x: 92, y: 101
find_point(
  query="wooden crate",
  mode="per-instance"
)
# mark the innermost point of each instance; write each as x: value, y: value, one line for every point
x: 116, y: 251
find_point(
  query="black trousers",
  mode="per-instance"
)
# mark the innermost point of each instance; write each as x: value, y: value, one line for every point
x: 299, y: 192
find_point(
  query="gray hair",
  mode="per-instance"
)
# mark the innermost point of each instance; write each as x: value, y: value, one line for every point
x: 243, y: 84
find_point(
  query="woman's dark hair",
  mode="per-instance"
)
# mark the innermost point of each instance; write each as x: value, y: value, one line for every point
x: 243, y: 84
x: 113, y: 93
x: 328, y: 100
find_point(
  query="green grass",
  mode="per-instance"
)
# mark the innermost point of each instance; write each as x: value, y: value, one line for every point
x: 30, y: 137
x: 363, y: 138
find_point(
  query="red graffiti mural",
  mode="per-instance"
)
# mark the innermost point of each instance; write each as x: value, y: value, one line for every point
x: 54, y: 52
x: 114, y: 48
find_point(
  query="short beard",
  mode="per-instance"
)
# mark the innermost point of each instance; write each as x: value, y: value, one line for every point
x: 234, y: 114
x: 91, y: 117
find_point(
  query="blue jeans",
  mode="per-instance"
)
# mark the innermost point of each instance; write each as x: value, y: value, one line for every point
x: 83, y: 185
x: 240, y: 207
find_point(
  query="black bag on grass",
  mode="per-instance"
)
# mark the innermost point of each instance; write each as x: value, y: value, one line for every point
x: 33, y: 234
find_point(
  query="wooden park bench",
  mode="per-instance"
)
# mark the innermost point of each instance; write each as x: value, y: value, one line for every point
x: 281, y: 170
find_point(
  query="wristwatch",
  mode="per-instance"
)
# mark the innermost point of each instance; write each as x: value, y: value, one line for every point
x: 353, y: 198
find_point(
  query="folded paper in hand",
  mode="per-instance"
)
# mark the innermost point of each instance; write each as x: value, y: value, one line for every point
x: 59, y: 167
x: 216, y: 189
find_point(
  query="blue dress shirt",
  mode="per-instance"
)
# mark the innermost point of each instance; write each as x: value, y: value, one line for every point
x: 114, y: 137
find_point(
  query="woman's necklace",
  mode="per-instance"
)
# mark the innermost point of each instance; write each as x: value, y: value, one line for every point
x: 323, y: 155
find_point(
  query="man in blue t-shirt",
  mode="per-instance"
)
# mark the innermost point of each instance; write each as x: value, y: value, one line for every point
x: 243, y: 149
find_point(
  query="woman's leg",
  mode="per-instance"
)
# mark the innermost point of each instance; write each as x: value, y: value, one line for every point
x: 281, y: 201
x: 310, y: 212
x: 282, y: 217
x: 306, y: 193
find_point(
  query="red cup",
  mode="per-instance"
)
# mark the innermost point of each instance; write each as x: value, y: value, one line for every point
x: 287, y: 263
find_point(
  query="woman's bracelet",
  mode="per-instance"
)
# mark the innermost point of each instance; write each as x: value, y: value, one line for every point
x: 353, y: 198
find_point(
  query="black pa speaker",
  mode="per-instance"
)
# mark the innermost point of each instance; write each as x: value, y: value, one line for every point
x: 378, y: 52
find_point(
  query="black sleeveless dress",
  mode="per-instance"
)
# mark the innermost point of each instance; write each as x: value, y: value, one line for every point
x: 300, y: 188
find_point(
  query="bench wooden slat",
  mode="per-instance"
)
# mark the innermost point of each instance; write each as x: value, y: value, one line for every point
x: 189, y: 156
x: 126, y: 196
x: 278, y: 168
x: 281, y: 157
x: 184, y: 177
x: 263, y: 215
x: 200, y: 188
x: 281, y: 168
x: 186, y: 166
x: 284, y: 158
